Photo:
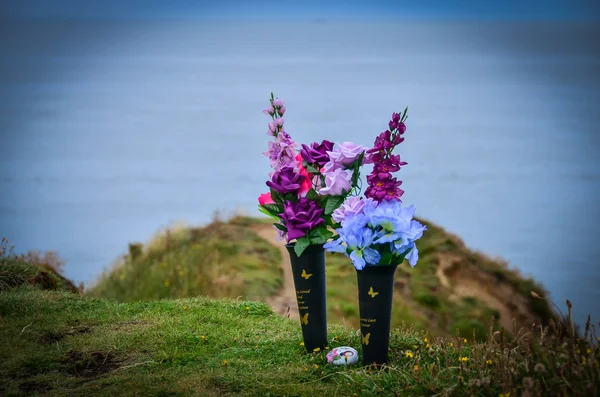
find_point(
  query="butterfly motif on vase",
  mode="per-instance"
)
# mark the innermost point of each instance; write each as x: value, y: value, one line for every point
x: 372, y: 293
x: 365, y: 338
x: 304, y: 319
x: 305, y: 275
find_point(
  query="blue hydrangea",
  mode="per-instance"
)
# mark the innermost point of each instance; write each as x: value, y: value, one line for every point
x: 379, y: 228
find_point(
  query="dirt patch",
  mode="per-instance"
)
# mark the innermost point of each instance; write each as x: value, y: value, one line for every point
x: 89, y: 364
x: 284, y: 302
x: 52, y: 337
x: 464, y: 281
x: 33, y: 386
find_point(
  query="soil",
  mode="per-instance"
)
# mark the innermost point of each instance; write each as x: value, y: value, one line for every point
x: 465, y: 281
x: 284, y: 302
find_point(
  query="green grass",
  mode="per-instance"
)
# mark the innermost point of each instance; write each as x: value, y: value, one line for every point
x: 62, y: 344
x: 219, y: 260
x: 228, y: 259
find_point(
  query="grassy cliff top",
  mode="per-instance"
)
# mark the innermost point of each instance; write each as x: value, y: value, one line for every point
x: 63, y: 344
x: 452, y: 289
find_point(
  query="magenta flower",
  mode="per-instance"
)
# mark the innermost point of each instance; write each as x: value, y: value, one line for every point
x: 391, y: 164
x: 316, y: 153
x: 301, y: 216
x: 287, y: 180
x: 337, y: 182
x: 382, y: 185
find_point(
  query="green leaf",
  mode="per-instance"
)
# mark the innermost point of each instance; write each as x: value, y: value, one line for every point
x: 301, y: 245
x: 312, y: 195
x: 273, y: 208
x: 333, y: 203
x: 264, y: 211
x: 312, y: 169
x: 320, y: 235
x: 400, y: 258
x: 280, y: 227
x: 276, y: 196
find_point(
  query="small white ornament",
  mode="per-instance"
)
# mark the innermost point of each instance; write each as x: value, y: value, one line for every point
x: 344, y: 355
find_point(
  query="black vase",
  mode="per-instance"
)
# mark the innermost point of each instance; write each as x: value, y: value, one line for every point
x: 309, y: 279
x: 375, y: 293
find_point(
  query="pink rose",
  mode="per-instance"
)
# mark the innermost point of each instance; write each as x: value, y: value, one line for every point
x: 306, y: 185
x: 265, y: 198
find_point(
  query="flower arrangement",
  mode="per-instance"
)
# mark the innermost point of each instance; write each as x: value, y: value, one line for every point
x: 377, y: 230
x: 307, y: 186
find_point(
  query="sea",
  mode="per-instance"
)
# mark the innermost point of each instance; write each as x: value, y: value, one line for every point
x: 111, y: 131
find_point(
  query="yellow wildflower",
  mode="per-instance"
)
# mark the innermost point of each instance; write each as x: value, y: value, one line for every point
x: 427, y: 346
x: 225, y: 362
x: 489, y: 362
x: 583, y: 361
x: 167, y: 283
x: 409, y: 354
x: 317, y: 349
x: 451, y: 344
x: 416, y: 367
x: 504, y: 394
x: 415, y: 347
x: 588, y: 351
x: 425, y: 340
x: 316, y: 366
x: 465, y: 340
x: 463, y: 359
x: 185, y: 308
x: 247, y: 307
x: 301, y: 343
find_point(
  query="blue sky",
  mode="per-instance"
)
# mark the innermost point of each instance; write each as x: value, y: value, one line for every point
x: 307, y: 9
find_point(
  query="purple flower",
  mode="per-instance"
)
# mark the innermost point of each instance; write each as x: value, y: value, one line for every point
x: 401, y: 128
x: 396, y: 117
x: 383, y: 186
x: 317, y: 153
x: 301, y: 216
x: 352, y: 206
x: 336, y: 182
x: 345, y: 153
x: 287, y: 180
x: 391, y: 164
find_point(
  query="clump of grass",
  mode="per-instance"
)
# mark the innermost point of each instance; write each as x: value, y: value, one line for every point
x: 222, y: 259
x: 60, y: 343
x: 33, y: 268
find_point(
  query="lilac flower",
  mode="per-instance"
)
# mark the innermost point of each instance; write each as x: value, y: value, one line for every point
x: 278, y: 103
x: 270, y: 110
x: 345, y: 153
x: 316, y: 153
x: 336, y: 183
x: 287, y: 180
x: 352, y: 206
x: 301, y: 216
